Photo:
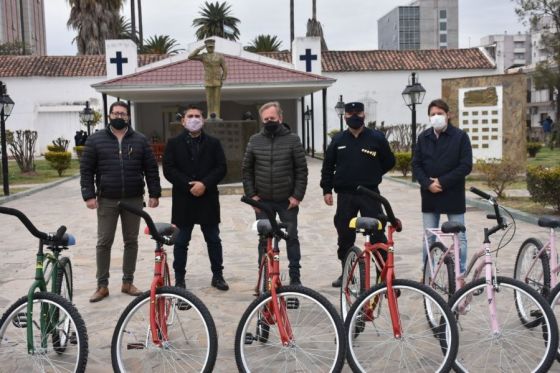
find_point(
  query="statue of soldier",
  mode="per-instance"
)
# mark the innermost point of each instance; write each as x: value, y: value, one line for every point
x: 215, y: 72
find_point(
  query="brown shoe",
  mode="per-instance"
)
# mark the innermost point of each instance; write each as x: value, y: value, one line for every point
x: 130, y: 289
x: 99, y: 294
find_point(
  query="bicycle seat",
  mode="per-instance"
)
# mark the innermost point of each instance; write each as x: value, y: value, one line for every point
x: 452, y: 227
x: 66, y: 240
x: 549, y: 221
x: 164, y: 229
x: 365, y: 225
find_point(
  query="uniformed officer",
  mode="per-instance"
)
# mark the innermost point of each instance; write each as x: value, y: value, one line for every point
x: 356, y: 156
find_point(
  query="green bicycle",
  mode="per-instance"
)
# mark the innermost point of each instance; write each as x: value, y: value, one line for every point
x: 43, y: 331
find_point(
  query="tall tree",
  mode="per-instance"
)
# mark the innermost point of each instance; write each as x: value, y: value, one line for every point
x: 124, y: 30
x: 291, y: 23
x: 214, y: 18
x: 547, y: 73
x: 95, y: 21
x: 314, y: 27
x: 160, y: 44
x: 264, y: 43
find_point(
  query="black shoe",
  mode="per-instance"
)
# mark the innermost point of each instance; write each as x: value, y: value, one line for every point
x: 337, y: 283
x: 219, y: 283
x: 295, y: 281
x: 180, y: 284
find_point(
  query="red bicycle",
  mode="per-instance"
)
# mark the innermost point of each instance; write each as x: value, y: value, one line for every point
x: 166, y: 328
x: 385, y: 325
x: 287, y: 328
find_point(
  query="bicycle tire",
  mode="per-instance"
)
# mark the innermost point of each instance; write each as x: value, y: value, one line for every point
x: 357, y: 280
x: 554, y: 300
x: 377, y: 333
x: 479, y: 345
x: 445, y: 287
x: 300, y: 327
x: 525, y: 255
x: 196, y: 308
x: 16, y: 316
x: 64, y: 288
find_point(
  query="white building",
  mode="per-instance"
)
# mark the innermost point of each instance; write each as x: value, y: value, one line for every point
x: 508, y: 50
x: 50, y: 91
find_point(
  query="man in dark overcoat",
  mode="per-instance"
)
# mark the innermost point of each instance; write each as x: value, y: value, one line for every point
x: 194, y: 162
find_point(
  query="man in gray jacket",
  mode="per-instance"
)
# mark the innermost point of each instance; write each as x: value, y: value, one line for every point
x: 275, y: 172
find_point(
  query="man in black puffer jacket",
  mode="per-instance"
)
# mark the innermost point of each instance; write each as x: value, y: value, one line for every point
x: 112, y: 168
x: 275, y: 172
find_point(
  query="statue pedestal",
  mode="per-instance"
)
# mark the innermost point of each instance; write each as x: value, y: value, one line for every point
x: 234, y: 136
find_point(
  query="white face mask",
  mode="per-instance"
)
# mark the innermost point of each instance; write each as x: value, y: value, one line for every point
x: 193, y: 124
x: 438, y: 121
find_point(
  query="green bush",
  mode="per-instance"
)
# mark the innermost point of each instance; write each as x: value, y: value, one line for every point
x: 332, y: 133
x: 403, y: 162
x: 59, y: 161
x: 498, y: 174
x: 79, y: 150
x: 533, y: 148
x: 543, y: 183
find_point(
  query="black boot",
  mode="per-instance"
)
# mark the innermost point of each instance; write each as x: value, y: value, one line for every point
x: 337, y: 283
x: 219, y: 283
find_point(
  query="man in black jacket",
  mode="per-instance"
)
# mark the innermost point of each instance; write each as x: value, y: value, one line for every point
x: 357, y: 156
x: 194, y: 163
x: 275, y: 172
x: 112, y: 168
x: 442, y: 161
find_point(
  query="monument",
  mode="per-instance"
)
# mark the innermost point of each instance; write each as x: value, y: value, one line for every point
x: 215, y: 72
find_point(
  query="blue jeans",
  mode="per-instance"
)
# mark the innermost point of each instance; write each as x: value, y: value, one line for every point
x: 431, y: 220
x: 211, y: 234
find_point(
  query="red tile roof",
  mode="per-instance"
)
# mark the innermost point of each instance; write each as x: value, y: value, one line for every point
x: 379, y: 60
x: 189, y: 72
x: 88, y: 65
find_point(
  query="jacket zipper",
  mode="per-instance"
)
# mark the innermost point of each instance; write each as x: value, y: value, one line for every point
x: 122, y: 167
x: 271, y: 162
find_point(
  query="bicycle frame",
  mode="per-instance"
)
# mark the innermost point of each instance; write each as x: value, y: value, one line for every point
x: 160, y: 267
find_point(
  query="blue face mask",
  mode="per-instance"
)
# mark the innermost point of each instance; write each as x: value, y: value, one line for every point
x: 355, y: 121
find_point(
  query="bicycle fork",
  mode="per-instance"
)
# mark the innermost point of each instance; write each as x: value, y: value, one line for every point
x: 158, y: 310
x: 491, y: 288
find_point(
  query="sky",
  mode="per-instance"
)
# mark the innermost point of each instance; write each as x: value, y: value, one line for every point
x: 347, y: 25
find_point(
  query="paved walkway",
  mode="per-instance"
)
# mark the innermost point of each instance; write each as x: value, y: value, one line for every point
x: 63, y: 205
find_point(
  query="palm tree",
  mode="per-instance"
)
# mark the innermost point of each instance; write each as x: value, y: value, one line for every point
x: 95, y: 21
x: 160, y: 44
x: 124, y: 30
x: 214, y: 17
x: 264, y: 43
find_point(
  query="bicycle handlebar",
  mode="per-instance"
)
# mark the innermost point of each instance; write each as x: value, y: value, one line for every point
x: 501, y: 221
x: 269, y: 214
x: 56, y: 238
x: 149, y: 222
x: 480, y: 193
x: 388, y: 209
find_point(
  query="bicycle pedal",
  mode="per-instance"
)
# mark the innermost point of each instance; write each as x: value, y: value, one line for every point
x: 135, y: 346
x: 536, y: 314
x: 292, y: 303
x: 249, y: 338
x: 183, y: 306
x: 73, y: 339
x: 478, y: 292
x: 20, y: 320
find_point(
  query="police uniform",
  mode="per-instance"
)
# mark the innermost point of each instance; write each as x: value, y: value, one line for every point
x: 351, y: 161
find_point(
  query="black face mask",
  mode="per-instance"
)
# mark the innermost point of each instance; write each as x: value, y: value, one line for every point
x: 118, y: 123
x: 271, y: 126
x: 355, y: 121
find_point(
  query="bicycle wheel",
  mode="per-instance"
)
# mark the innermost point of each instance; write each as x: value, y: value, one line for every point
x: 444, y: 280
x: 63, y: 287
x: 191, y: 343
x: 317, y: 345
x: 60, y: 317
x: 533, y: 271
x: 514, y: 348
x: 554, y: 300
x: 420, y: 348
x: 353, y: 282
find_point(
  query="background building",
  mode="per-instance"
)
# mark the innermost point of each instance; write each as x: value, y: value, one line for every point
x: 27, y: 25
x: 508, y: 50
x: 424, y: 24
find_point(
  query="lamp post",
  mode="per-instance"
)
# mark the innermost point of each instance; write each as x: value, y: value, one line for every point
x: 340, y: 110
x: 86, y: 116
x: 6, y: 106
x: 413, y: 95
x: 307, y: 116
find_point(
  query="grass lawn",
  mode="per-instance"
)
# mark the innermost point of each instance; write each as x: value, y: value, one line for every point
x: 526, y: 205
x: 44, y: 174
x: 545, y: 157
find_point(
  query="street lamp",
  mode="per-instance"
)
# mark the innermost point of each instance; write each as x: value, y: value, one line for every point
x: 413, y: 95
x: 307, y: 116
x: 86, y: 116
x: 340, y: 110
x: 6, y: 106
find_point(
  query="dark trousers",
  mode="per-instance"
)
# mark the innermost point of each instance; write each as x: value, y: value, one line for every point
x: 347, y: 207
x: 211, y: 234
x: 288, y: 217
